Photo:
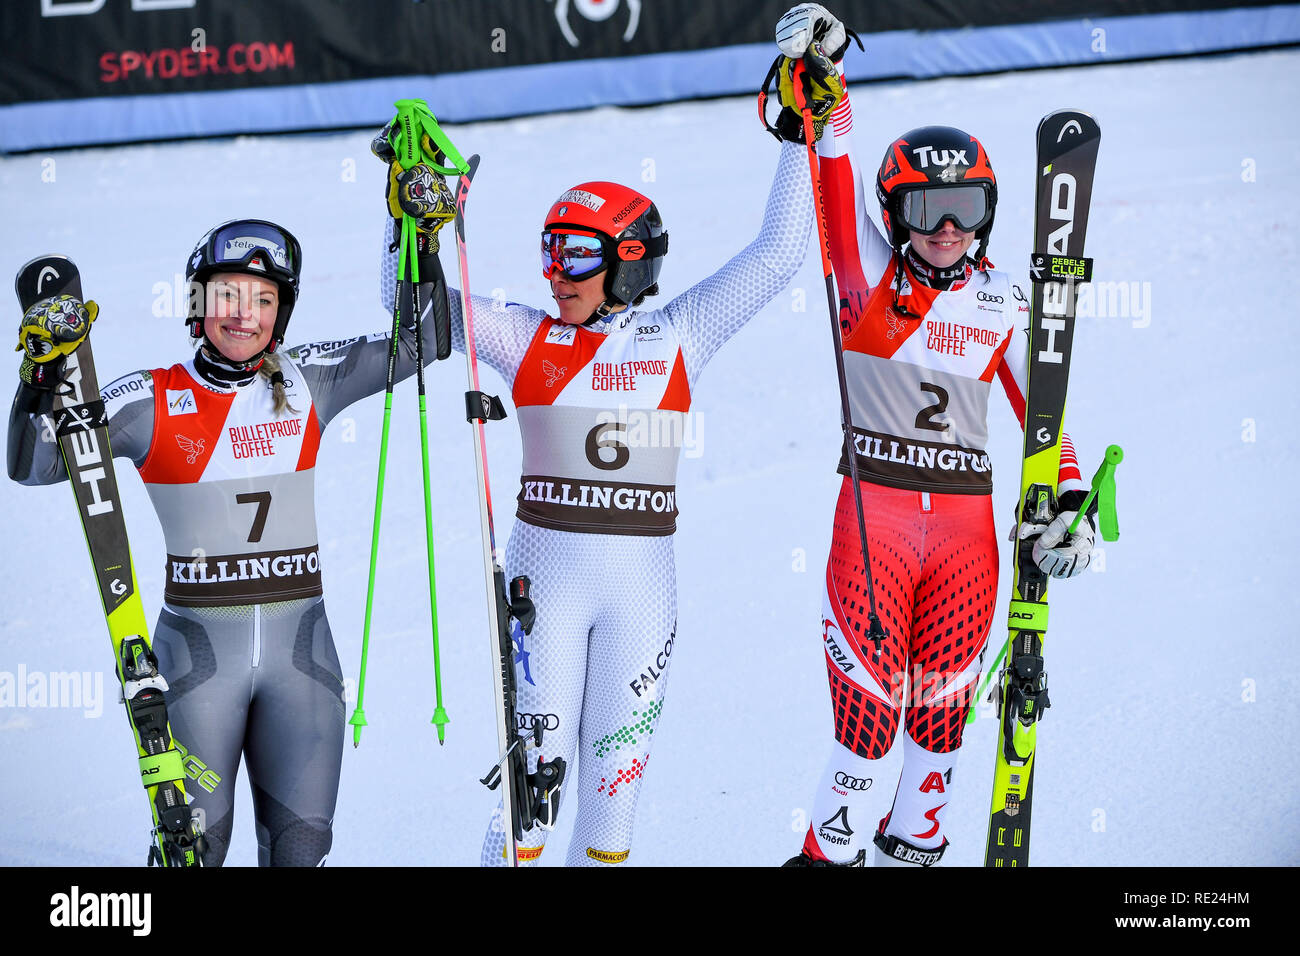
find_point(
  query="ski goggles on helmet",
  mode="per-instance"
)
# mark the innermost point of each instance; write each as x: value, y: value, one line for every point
x: 252, y: 246
x: 572, y: 255
x: 924, y: 210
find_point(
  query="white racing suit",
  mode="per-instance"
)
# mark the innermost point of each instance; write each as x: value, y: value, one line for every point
x: 603, y: 410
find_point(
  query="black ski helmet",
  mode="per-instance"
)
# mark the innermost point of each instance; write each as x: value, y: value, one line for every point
x: 253, y: 246
x: 930, y: 158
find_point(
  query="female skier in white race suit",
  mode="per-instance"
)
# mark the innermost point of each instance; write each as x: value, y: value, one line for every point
x: 602, y: 395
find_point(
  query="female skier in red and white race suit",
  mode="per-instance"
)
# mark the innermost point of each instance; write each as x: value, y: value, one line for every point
x: 927, y: 329
x: 602, y: 396
x: 226, y: 444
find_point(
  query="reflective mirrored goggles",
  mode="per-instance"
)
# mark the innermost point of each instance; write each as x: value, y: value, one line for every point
x: 924, y: 210
x: 238, y: 243
x: 572, y: 255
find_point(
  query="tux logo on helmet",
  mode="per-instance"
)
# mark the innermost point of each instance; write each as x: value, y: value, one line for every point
x: 945, y: 157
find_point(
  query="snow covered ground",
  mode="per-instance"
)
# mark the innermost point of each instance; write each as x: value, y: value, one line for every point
x: 1172, y: 738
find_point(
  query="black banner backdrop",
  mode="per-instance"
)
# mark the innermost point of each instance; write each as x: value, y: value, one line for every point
x: 72, y: 49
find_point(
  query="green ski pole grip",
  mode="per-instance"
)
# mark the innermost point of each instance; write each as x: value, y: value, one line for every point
x: 406, y: 137
x: 1103, y: 489
x: 415, y: 122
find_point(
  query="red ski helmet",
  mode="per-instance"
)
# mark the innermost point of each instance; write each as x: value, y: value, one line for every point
x: 935, y: 173
x: 631, y: 233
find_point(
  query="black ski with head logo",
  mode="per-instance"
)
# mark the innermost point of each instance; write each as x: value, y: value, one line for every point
x: 1067, y: 159
x: 81, y: 428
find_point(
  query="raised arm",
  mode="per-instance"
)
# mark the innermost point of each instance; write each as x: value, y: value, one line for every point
x: 859, y: 253
x: 811, y: 37
x: 714, y: 309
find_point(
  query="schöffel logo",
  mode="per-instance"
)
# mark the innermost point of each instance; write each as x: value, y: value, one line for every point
x: 836, y: 830
x: 529, y: 721
x: 852, y: 783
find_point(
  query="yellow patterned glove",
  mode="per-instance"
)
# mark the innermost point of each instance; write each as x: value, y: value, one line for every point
x: 823, y: 89
x: 420, y: 192
x: 51, y: 330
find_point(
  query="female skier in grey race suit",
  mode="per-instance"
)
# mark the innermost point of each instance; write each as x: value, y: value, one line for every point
x: 597, y: 506
x: 226, y: 444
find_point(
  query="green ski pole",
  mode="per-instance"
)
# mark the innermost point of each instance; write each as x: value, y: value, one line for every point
x: 358, y: 719
x: 440, y: 718
x: 416, y: 138
x: 416, y: 130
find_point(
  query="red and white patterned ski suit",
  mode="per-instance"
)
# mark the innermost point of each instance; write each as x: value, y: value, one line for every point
x: 919, y: 383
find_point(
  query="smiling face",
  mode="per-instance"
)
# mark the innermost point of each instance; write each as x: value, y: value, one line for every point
x: 578, y: 299
x: 240, y: 315
x: 943, y: 249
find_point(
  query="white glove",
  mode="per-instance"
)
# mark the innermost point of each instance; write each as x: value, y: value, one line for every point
x: 1061, y: 560
x: 808, y: 22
